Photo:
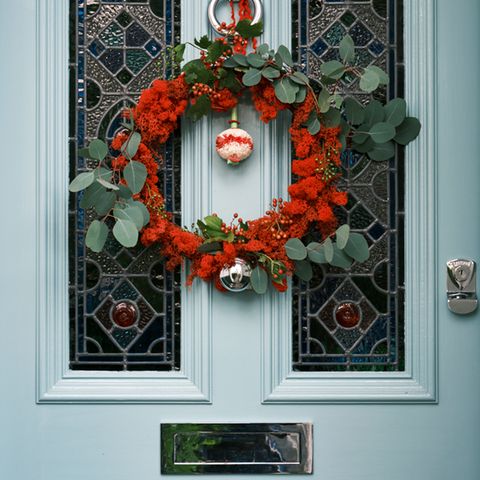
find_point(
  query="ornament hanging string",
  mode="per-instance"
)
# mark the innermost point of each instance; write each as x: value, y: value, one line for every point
x: 244, y: 13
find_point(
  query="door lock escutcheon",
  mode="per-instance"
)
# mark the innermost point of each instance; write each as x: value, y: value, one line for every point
x: 462, y: 286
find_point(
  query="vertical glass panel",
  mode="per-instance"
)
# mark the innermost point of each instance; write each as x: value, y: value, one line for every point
x: 124, y: 305
x: 354, y: 320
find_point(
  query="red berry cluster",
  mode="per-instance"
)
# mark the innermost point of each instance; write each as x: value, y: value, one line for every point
x: 278, y: 221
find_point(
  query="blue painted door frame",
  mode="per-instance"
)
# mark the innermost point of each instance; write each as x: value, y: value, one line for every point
x: 68, y: 440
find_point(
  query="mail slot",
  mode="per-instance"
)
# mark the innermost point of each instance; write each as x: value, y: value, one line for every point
x: 259, y: 448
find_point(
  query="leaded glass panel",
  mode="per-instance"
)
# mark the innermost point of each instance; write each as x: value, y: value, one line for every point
x: 124, y: 305
x: 354, y: 320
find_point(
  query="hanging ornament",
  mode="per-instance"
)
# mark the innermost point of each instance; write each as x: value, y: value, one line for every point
x: 234, y: 144
x: 237, y: 277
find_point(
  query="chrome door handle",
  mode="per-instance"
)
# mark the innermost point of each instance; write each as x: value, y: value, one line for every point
x: 462, y: 286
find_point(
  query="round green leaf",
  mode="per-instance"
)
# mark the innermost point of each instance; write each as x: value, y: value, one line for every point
x: 124, y: 192
x: 303, y: 270
x: 96, y: 236
x: 92, y: 195
x: 82, y: 181
x: 295, y: 249
x: 381, y: 152
x: 131, y: 213
x: 332, y: 118
x: 360, y: 137
x: 230, y: 63
x: 324, y: 101
x: 369, y: 81
x: 395, y: 111
x: 354, y: 111
x: 300, y: 77
x: 357, y: 247
x: 333, y: 69
x: 374, y: 113
x: 408, y: 131
x: 263, y: 49
x: 130, y: 147
x: 135, y: 173
x: 126, y: 233
x: 328, y: 248
x: 240, y: 59
x: 144, y: 210
x: 301, y: 94
x: 255, y: 60
x: 347, y: 49
x: 316, y: 253
x: 383, y: 77
x: 98, y: 149
x: 365, y: 147
x: 104, y: 203
x: 285, y: 90
x: 342, y: 235
x: 285, y: 55
x: 252, y: 77
x: 382, y: 132
x: 259, y: 280
x: 340, y: 259
x: 270, y: 73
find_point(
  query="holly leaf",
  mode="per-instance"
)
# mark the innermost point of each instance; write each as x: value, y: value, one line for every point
x: 295, y: 249
x: 211, y: 247
x: 204, y: 42
x: 179, y: 52
x: 200, y: 108
x: 259, y: 280
x: 248, y: 30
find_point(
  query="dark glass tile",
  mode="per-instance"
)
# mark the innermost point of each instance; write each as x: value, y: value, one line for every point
x: 157, y: 8
x: 348, y: 18
x: 96, y: 47
x: 153, y: 47
x: 137, y: 60
x: 112, y: 59
x: 124, y: 76
x: 361, y: 34
x: 124, y: 19
x: 319, y: 47
x: 113, y: 35
x: 136, y: 36
x: 376, y: 47
x: 94, y: 93
x: 333, y: 36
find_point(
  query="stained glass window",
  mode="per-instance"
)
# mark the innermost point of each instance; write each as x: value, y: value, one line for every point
x: 124, y: 305
x: 354, y: 320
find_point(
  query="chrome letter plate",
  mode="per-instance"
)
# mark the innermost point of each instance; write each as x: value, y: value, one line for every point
x: 259, y: 448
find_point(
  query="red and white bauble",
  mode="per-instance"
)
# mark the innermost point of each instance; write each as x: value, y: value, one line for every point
x: 234, y: 145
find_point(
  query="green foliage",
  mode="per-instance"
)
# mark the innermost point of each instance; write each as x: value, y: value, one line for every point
x: 304, y: 270
x: 126, y: 233
x: 252, y: 77
x: 248, y: 30
x: 130, y: 147
x: 255, y: 60
x: 96, y: 236
x: 354, y: 111
x: 285, y: 56
x: 82, y: 181
x: 295, y: 249
x: 395, y: 111
x: 286, y: 90
x: 313, y: 123
x: 211, y: 229
x: 259, y: 280
x: 135, y: 173
x: 382, y: 132
x: 347, y: 49
x: 98, y: 149
x: 408, y: 131
x: 200, y: 108
x: 333, y: 69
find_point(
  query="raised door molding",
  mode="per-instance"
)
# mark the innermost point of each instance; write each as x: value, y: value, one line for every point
x: 418, y: 383
x: 55, y: 382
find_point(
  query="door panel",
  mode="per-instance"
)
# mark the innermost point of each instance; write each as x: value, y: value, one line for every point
x: 120, y: 439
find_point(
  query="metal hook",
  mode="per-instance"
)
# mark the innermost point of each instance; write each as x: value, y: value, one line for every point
x: 215, y: 23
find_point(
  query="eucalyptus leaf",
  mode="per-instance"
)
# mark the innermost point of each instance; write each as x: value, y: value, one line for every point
x: 354, y: 111
x: 382, y: 76
x: 130, y: 147
x: 364, y: 147
x: 84, y: 152
x: 252, y: 77
x: 382, y: 132
x: 104, y: 203
x: 259, y: 280
x: 301, y: 95
x: 340, y: 259
x: 285, y: 90
x: 135, y: 173
x: 332, y: 118
x: 96, y: 236
x: 98, y: 149
x: 263, y: 49
x: 135, y: 214
x: 230, y: 63
x: 357, y: 247
x: 369, y: 81
x: 255, y: 60
x: 107, y: 184
x: 145, y: 213
x: 82, y: 181
x: 303, y: 270
x: 270, y: 73
x: 333, y: 69
x: 382, y: 152
x: 91, y: 195
x: 342, y: 235
x: 408, y: 131
x: 328, y: 249
x: 124, y: 192
x: 240, y: 59
x: 347, y: 49
x: 316, y: 253
x: 295, y: 249
x: 374, y: 113
x: 313, y: 123
x: 285, y: 55
x: 301, y: 77
x: 126, y: 233
x: 360, y: 137
x: 324, y: 101
x: 395, y: 111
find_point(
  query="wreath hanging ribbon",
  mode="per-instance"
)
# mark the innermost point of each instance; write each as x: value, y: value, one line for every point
x: 123, y: 188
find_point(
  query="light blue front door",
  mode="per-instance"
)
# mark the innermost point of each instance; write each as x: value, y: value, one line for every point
x: 420, y: 424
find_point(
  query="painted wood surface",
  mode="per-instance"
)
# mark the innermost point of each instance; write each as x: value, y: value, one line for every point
x: 120, y: 439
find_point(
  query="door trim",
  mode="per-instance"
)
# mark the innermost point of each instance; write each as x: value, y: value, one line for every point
x: 55, y: 382
x: 419, y: 382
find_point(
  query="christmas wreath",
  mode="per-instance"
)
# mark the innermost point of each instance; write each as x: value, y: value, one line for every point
x: 123, y: 188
